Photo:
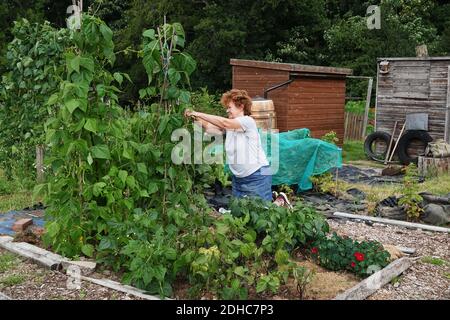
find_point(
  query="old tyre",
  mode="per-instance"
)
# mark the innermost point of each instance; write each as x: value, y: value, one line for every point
x: 376, y: 145
x: 409, y: 143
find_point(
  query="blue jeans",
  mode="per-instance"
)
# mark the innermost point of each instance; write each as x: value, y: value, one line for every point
x: 258, y: 184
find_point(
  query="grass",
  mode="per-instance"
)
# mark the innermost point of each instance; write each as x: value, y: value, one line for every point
x: 13, y: 196
x: 434, y: 261
x: 353, y: 151
x: 12, y: 280
x: 7, y: 261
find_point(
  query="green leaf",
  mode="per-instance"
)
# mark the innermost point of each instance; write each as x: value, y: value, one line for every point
x: 131, y: 182
x: 73, y: 104
x: 88, y: 63
x: 185, y: 96
x: 152, y: 187
x: 261, y: 285
x: 150, y: 33
x: 170, y: 253
x: 88, y: 250
x: 106, y: 32
x: 89, y: 159
x: 98, y: 187
x: 91, y: 125
x: 142, y: 93
x: 144, y: 194
x: 281, y: 257
x: 174, y: 76
x: 52, y: 100
x: 240, y: 271
x: 74, y: 64
x: 118, y: 77
x: 123, y: 175
x: 100, y: 151
x: 142, y: 168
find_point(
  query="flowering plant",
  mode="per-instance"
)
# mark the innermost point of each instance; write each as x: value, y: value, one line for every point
x: 341, y: 253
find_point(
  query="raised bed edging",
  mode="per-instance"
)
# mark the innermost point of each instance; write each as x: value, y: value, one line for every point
x: 392, y: 222
x: 372, y: 284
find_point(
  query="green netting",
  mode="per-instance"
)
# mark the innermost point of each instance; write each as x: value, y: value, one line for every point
x: 300, y: 157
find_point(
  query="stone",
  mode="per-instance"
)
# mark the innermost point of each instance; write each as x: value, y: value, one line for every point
x: 22, y: 224
x: 436, y: 215
x: 87, y: 267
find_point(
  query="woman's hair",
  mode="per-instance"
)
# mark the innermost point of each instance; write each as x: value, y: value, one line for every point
x: 238, y: 97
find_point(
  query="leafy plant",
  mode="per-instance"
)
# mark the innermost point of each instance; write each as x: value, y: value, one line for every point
x: 341, y: 253
x: 330, y: 137
x: 303, y: 278
x: 411, y: 199
x: 34, y: 62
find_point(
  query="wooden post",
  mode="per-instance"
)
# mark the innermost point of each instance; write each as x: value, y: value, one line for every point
x: 396, y: 142
x: 447, y: 113
x: 390, y: 143
x: 422, y: 51
x: 366, y: 111
x: 40, y: 163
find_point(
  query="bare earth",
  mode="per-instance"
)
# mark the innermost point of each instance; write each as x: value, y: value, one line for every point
x: 37, y: 283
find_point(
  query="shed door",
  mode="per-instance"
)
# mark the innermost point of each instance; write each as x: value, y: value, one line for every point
x: 411, y: 79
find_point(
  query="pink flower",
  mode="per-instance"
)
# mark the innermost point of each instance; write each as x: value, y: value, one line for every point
x: 314, y: 250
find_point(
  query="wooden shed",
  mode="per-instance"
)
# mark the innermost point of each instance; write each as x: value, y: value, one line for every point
x: 413, y: 85
x: 304, y: 96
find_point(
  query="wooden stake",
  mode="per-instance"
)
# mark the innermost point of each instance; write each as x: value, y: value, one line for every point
x: 396, y: 142
x: 390, y: 143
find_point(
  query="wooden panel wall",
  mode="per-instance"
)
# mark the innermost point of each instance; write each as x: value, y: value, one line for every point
x: 314, y: 103
x: 413, y: 87
x: 255, y: 80
x: 317, y: 104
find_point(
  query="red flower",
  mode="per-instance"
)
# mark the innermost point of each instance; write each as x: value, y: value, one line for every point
x: 314, y: 250
x: 359, y: 256
x: 353, y: 264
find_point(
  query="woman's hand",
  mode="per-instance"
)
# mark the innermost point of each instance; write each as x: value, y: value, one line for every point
x: 189, y: 113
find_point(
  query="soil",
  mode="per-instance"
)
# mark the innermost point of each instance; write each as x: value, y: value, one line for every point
x: 24, y: 280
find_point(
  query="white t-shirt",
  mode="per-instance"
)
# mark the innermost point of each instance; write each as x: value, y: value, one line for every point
x: 244, y: 152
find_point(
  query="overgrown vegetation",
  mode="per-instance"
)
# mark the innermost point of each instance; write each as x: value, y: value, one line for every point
x: 34, y: 61
x: 411, y: 199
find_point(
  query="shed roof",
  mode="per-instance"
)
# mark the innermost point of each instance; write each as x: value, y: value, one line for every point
x: 291, y: 67
x: 415, y: 59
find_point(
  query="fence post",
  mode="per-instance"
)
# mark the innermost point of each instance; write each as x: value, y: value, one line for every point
x: 366, y: 111
x: 40, y: 163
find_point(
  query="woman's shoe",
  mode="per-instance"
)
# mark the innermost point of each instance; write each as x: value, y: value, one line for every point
x: 285, y: 199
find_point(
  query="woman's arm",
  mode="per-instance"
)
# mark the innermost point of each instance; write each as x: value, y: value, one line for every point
x: 220, y: 122
x: 209, y: 127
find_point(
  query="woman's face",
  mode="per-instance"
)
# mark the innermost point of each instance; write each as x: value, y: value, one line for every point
x: 233, y: 111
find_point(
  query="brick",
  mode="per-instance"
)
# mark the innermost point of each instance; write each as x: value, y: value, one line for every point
x: 22, y: 224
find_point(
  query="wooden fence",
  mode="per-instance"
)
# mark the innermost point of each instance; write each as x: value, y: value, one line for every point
x: 354, y: 125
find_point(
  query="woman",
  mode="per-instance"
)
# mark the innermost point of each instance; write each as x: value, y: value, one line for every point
x: 245, y: 156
